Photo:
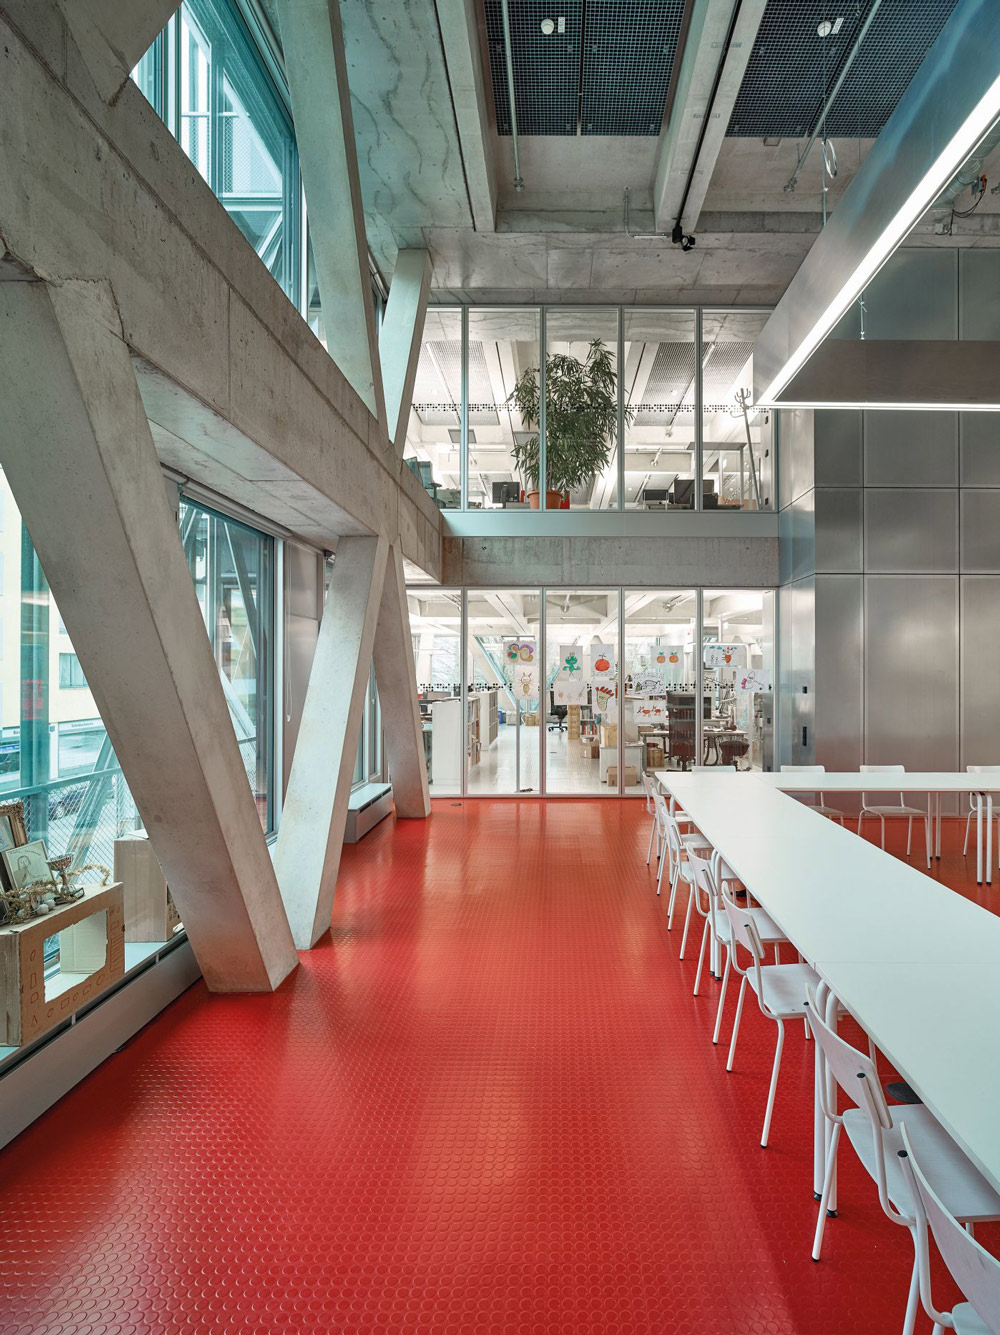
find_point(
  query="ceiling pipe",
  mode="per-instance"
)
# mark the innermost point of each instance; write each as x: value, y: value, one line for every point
x: 509, y: 58
x: 831, y: 97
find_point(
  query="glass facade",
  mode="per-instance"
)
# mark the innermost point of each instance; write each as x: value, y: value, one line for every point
x: 203, y: 75
x: 575, y: 692
x: 643, y: 409
x: 233, y: 571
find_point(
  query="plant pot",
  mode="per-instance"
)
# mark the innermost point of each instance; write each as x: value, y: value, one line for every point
x: 553, y: 500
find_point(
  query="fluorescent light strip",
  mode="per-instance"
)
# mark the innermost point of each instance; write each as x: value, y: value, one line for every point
x: 900, y: 406
x: 948, y: 162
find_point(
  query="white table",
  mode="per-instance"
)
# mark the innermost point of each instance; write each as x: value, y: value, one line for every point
x: 930, y: 783
x: 914, y: 962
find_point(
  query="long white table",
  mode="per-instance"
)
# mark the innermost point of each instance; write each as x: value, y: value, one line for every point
x: 932, y: 784
x: 914, y: 962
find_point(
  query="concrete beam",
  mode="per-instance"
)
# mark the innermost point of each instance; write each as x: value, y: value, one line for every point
x: 243, y: 386
x: 396, y: 678
x: 313, y: 44
x: 399, y: 339
x: 314, y: 815
x: 639, y: 562
x: 81, y: 462
x: 112, y: 35
x: 457, y: 24
x: 681, y: 157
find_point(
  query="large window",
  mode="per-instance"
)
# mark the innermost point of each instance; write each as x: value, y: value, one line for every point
x: 233, y: 571
x: 204, y: 76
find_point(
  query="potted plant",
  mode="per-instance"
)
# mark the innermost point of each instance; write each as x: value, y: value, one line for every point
x: 581, y: 421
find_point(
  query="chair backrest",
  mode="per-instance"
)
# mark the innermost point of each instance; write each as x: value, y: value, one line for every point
x: 881, y: 769
x: 973, y: 1269
x: 744, y: 928
x: 703, y: 769
x: 647, y: 783
x: 803, y: 769
x: 704, y: 879
x: 982, y: 769
x: 849, y: 1067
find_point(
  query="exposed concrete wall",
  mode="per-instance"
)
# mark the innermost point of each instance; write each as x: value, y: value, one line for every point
x: 637, y: 562
x: 105, y: 192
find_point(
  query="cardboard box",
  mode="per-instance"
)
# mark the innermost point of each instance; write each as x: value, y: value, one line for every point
x: 591, y: 750
x: 631, y: 776
x: 654, y: 756
x: 609, y: 734
x: 530, y: 720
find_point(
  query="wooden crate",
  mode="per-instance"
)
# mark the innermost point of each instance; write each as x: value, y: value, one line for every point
x: 150, y: 913
x: 86, y: 943
x: 573, y: 723
x: 609, y: 734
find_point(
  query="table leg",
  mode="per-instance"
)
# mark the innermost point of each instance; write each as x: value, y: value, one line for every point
x: 978, y: 797
x: 937, y: 825
x: 831, y: 1098
x: 989, y: 838
x: 819, y: 1121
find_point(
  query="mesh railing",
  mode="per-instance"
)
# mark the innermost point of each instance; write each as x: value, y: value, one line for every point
x: 82, y: 816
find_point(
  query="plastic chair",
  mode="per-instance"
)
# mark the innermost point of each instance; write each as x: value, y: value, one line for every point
x: 981, y: 769
x: 780, y: 990
x: 973, y: 1269
x: 876, y: 1137
x: 895, y: 809
x: 816, y: 804
x: 654, y: 833
x: 708, y: 876
x: 665, y: 818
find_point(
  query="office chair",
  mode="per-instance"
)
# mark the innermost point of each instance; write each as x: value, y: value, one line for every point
x: 558, y: 713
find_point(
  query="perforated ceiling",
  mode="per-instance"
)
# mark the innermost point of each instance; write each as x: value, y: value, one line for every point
x: 791, y: 66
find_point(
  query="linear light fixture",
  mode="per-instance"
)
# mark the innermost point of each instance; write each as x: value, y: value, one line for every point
x: 977, y: 124
x: 899, y: 406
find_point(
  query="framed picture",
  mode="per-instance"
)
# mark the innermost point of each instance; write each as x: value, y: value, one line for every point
x: 12, y: 825
x: 26, y: 864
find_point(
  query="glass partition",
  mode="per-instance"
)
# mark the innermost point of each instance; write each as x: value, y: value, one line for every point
x: 581, y: 407
x: 738, y: 665
x: 434, y: 427
x: 503, y: 437
x: 736, y: 454
x: 504, y: 719
x: 581, y: 656
x: 659, y: 394
x: 436, y: 627
x: 660, y: 671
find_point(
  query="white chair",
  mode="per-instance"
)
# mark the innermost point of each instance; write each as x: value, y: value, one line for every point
x: 815, y: 804
x: 780, y: 990
x: 973, y: 1269
x: 648, y: 783
x: 874, y: 1131
x: 895, y: 810
x: 982, y: 769
x: 709, y: 872
x: 670, y: 860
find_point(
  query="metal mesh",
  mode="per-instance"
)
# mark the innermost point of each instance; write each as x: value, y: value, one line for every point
x: 546, y: 69
x: 82, y: 817
x: 784, y: 88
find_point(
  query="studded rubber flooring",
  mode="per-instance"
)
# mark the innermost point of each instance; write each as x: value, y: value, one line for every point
x: 487, y: 1103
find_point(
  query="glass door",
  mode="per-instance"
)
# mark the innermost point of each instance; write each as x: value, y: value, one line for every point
x: 505, y: 716
x: 581, y: 657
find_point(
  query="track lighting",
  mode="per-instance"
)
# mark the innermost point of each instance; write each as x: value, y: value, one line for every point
x: 680, y: 238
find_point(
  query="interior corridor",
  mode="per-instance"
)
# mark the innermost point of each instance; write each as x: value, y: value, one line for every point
x: 487, y: 1102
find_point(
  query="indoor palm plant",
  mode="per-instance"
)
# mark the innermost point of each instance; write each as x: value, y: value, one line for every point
x: 581, y: 420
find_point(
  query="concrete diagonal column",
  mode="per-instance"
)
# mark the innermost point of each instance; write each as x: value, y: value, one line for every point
x: 76, y: 447
x: 313, y: 45
x: 314, y: 814
x: 396, y: 678
x: 399, y: 339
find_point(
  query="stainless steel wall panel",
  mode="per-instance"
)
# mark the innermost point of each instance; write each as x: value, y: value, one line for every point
x: 980, y: 723
x: 911, y: 449
x: 795, y: 454
x: 785, y: 545
x: 800, y: 684
x: 803, y: 536
x: 838, y: 529
x: 979, y: 293
x: 980, y: 532
x: 911, y: 531
x: 914, y: 295
x: 911, y: 671
x: 980, y: 449
x: 839, y: 703
x: 838, y: 447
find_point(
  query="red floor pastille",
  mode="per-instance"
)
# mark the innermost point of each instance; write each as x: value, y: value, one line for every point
x: 488, y: 1102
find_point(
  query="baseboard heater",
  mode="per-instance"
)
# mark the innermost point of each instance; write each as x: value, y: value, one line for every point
x: 369, y: 805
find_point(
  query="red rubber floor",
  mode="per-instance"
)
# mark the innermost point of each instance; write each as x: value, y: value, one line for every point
x: 488, y: 1103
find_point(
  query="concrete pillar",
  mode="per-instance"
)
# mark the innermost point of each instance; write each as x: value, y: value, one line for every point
x: 77, y: 450
x: 399, y: 339
x: 314, y: 816
x: 313, y: 45
x: 397, y: 692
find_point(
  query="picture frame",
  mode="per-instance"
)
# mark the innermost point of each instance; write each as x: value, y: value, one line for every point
x: 27, y: 864
x: 12, y: 817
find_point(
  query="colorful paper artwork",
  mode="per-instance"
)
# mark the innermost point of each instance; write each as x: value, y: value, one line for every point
x: 602, y: 661
x: 754, y: 681
x: 722, y: 655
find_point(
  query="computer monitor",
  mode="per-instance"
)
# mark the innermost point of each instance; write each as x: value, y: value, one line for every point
x: 506, y: 491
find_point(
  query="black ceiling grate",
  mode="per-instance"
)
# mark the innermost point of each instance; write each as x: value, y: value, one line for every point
x: 546, y: 69
x: 783, y: 89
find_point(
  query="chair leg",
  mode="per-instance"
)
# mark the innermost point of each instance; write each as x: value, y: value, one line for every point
x: 736, y: 1023
x: 774, y: 1084
x: 701, y: 958
x: 687, y: 920
x: 968, y: 827
x: 912, y: 1298
x: 659, y: 875
x: 675, y: 880
x: 928, y: 839
x: 649, y: 850
x: 861, y: 816
x: 824, y: 1203
x: 882, y: 819
x: 722, y: 1000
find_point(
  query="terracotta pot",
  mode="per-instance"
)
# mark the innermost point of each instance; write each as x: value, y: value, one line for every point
x: 553, y: 500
